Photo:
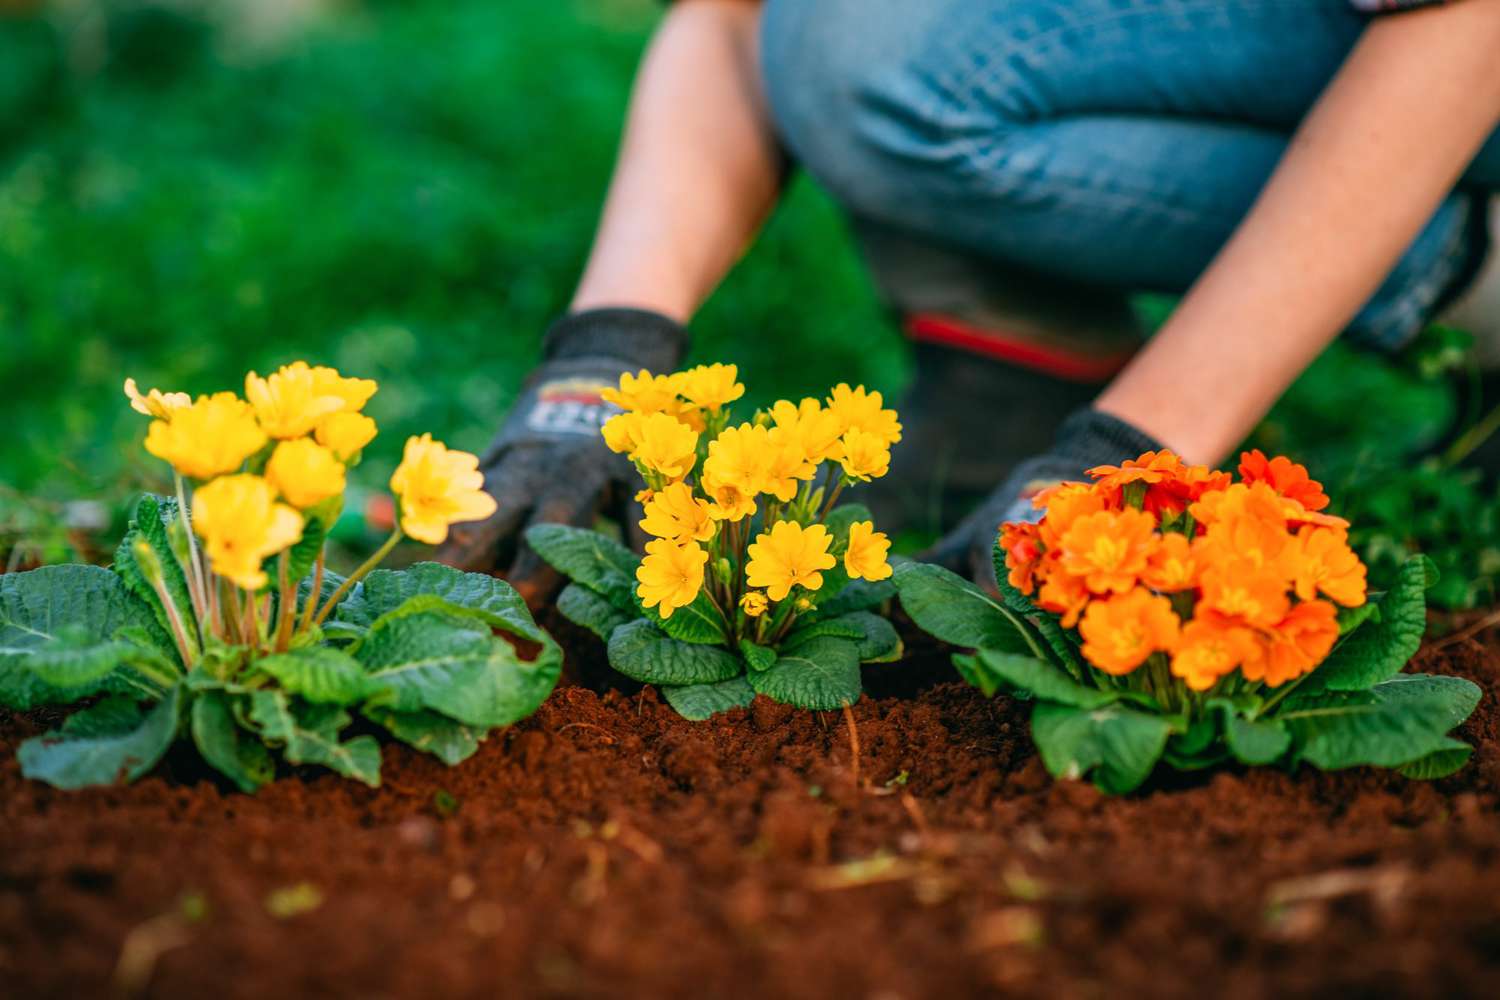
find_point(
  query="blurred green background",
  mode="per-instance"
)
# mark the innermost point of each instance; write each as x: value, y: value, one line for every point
x: 406, y: 189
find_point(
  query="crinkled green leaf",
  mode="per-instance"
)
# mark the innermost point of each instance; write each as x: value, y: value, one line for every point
x: 1397, y: 722
x: 109, y: 742
x: 757, y: 657
x: 1255, y: 742
x: 582, y: 606
x: 150, y: 523
x: 1062, y: 644
x: 456, y: 667
x: 300, y: 557
x: 319, y: 674
x: 93, y: 603
x: 958, y: 612
x: 994, y: 671
x: 639, y: 650
x: 309, y: 734
x: 820, y: 674
x: 1380, y: 647
x: 1449, y: 758
x: 856, y: 595
x: 75, y: 660
x: 1118, y: 746
x: 235, y: 753
x: 478, y: 595
x: 698, y: 622
x: 699, y: 701
x: 586, y: 557
x: 449, y: 741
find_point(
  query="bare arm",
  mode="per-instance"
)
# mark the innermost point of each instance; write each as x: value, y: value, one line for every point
x: 699, y: 168
x: 1384, y: 145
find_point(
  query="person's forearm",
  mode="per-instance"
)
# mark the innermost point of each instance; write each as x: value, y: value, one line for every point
x: 1384, y: 145
x: 699, y: 167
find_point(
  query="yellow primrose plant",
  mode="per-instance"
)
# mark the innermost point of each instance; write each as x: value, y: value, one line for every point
x: 755, y: 580
x: 226, y: 627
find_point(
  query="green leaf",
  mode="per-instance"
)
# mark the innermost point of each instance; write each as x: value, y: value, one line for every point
x: 1039, y: 678
x: 877, y: 638
x: 449, y: 741
x: 106, y: 743
x: 841, y: 517
x: 149, y: 522
x: 1397, y: 722
x: 300, y: 557
x: 820, y: 674
x: 586, y: 557
x: 1058, y: 639
x: 1382, y: 646
x: 1261, y: 741
x: 582, y: 606
x: 93, y: 604
x: 641, y: 651
x: 455, y: 667
x: 319, y: 674
x: 309, y: 734
x: 857, y: 595
x: 958, y: 612
x: 1117, y: 745
x: 239, y: 756
x: 698, y: 622
x: 699, y: 701
x: 1442, y: 762
x: 757, y: 657
x: 475, y: 595
x: 75, y: 660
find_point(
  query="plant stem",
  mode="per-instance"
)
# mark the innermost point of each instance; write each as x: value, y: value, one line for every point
x: 358, y: 575
x: 1280, y: 695
x: 311, y: 604
x: 1472, y: 438
x: 286, y: 605
x: 234, y: 613
x: 174, y: 618
x: 197, y: 592
x: 833, y: 498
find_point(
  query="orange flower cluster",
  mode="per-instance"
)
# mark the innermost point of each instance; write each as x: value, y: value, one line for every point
x: 1159, y: 557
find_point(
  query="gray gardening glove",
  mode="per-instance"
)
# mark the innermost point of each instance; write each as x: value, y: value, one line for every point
x: 548, y: 463
x: 1086, y: 439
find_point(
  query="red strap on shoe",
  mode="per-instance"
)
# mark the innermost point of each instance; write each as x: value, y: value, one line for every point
x: 931, y: 328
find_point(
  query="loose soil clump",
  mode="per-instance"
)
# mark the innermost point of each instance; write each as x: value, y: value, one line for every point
x: 607, y: 847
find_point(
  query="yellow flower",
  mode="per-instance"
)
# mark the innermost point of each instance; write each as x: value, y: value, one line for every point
x: 622, y: 432
x: 670, y: 575
x: 242, y: 525
x: 345, y: 434
x: 754, y: 603
x: 817, y: 429
x: 785, y: 463
x: 644, y: 393
x: 155, y: 403
x: 738, y: 459
x: 289, y: 402
x: 667, y: 445
x: 355, y: 392
x: 710, y: 386
x: 866, y: 556
x: 788, y: 556
x: 438, y: 487
x: 859, y: 409
x: 730, y: 502
x: 209, y: 438
x: 676, y: 514
x: 863, y: 455
x: 305, y: 473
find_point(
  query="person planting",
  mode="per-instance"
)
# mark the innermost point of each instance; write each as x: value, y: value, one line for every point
x: 1013, y: 169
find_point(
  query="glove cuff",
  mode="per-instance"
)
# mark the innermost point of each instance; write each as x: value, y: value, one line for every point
x: 1092, y: 437
x: 636, y: 336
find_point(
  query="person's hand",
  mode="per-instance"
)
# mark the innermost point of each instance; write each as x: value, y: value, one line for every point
x: 549, y: 462
x: 1086, y: 439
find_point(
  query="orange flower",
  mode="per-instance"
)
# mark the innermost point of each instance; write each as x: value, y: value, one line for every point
x: 1238, y: 588
x: 1324, y: 561
x: 1064, y: 504
x: 1021, y: 542
x: 1152, y: 467
x: 1209, y: 648
x: 1062, y: 594
x: 1109, y: 549
x: 1118, y: 634
x: 1170, y: 484
x: 1245, y: 523
x: 1285, y: 477
x: 1173, y: 566
x: 1297, y: 644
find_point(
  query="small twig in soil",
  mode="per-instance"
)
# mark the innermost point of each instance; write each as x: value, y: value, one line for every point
x: 1468, y: 632
x: 918, y: 818
x: 853, y: 743
x: 143, y: 946
x: 587, y: 725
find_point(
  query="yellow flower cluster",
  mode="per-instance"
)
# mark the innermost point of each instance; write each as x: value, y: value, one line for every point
x: 263, y: 464
x: 706, y: 477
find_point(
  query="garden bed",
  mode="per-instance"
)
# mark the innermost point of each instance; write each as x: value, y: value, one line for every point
x: 606, y: 846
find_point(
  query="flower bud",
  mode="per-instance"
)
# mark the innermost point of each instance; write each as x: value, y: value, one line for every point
x: 723, y: 571
x: 148, y: 562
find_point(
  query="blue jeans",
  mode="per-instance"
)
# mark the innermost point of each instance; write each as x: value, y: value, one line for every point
x: 1115, y: 143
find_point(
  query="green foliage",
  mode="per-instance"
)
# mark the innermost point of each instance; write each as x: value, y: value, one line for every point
x: 581, y: 606
x: 821, y: 673
x: 425, y: 663
x: 699, y: 701
x: 1355, y: 709
x: 149, y: 524
x: 640, y: 650
x: 958, y: 611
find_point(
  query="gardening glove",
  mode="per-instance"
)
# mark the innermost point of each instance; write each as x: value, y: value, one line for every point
x: 1087, y: 438
x: 549, y: 463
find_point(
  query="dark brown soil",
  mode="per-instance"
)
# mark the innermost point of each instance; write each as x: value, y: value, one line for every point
x: 606, y: 847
